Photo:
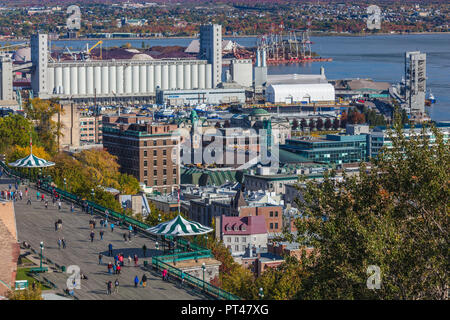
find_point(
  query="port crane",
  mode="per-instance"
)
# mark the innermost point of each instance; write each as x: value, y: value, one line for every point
x: 88, y: 50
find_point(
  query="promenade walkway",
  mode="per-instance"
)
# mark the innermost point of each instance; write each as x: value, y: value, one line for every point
x: 35, y: 223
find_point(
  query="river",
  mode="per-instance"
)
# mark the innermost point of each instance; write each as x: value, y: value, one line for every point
x: 379, y: 57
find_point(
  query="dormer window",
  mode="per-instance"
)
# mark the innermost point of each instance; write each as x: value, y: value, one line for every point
x: 236, y: 228
x: 243, y: 227
x: 228, y: 228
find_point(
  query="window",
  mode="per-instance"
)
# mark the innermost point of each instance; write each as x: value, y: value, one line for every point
x: 145, y: 173
x: 146, y: 182
x: 154, y: 142
x: 244, y: 239
x: 155, y: 152
x: 271, y: 226
x: 145, y: 163
x: 164, y: 172
x: 155, y: 162
x: 229, y: 239
x: 174, y: 171
x: 155, y: 182
x: 155, y: 172
x: 164, y: 151
x: 145, y: 153
x: 276, y: 213
x: 236, y: 239
x: 276, y: 225
x: 164, y: 142
x: 164, y: 162
x: 236, y: 248
x: 271, y: 213
x: 145, y: 143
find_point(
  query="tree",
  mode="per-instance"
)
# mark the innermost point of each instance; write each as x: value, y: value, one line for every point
x: 303, y: 124
x: 16, y: 130
x: 312, y: 124
x: 344, y: 120
x: 328, y: 124
x: 319, y: 124
x: 49, y: 130
x: 295, y: 124
x: 336, y: 124
x: 394, y: 216
x: 26, y: 294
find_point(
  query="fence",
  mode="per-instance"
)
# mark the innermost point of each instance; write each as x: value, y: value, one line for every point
x: 159, y: 264
x: 183, y: 245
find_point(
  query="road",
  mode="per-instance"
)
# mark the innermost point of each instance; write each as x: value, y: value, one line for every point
x: 35, y: 223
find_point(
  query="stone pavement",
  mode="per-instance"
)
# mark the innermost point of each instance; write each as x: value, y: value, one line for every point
x: 35, y: 223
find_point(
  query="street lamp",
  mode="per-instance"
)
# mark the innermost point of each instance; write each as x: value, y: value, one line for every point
x: 92, y: 193
x: 261, y: 293
x: 42, y: 249
x: 156, y: 245
x: 65, y: 184
x: 203, y: 268
x: 159, y: 217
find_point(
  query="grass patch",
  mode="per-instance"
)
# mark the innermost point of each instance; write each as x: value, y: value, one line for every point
x: 22, y: 275
x: 25, y: 261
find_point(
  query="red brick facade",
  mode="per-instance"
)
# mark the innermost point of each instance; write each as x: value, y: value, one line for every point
x: 272, y: 214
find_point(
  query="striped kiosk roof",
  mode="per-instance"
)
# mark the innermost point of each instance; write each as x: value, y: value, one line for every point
x: 31, y: 162
x: 179, y: 227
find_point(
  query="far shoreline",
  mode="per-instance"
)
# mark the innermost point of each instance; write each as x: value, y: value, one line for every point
x: 313, y: 34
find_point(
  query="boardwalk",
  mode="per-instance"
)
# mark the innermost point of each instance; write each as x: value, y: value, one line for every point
x: 35, y: 223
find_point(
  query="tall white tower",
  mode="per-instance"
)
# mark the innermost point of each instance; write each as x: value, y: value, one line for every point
x: 211, y: 50
x: 39, y: 58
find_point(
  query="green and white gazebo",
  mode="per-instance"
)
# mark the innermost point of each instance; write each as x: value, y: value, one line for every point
x: 31, y: 161
x: 179, y: 227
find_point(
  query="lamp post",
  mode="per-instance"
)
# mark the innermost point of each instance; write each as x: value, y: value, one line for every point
x: 42, y: 250
x: 156, y: 245
x: 159, y: 217
x: 65, y: 184
x: 93, y: 194
x: 203, y: 268
x: 261, y: 293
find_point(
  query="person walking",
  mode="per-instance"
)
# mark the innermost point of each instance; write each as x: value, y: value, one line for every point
x: 59, y: 243
x: 100, y: 256
x: 121, y: 260
x: 110, y: 249
x: 118, y: 267
x: 101, y: 234
x: 46, y: 204
x: 59, y: 204
x: 144, y: 281
x: 63, y: 243
x: 182, y: 279
x: 29, y: 201
x: 110, y: 266
x: 144, y: 249
x: 108, y: 287
x: 92, y: 235
x: 129, y: 260
x: 56, y: 225
x: 42, y: 197
x: 136, y: 281
x: 20, y: 194
x: 114, y: 269
x: 124, y: 237
x: 72, y: 208
x: 116, y: 286
x: 54, y: 201
x: 38, y: 194
x: 112, y: 227
x: 136, y: 259
x: 164, y: 275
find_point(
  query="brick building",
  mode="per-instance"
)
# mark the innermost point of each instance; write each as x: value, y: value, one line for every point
x: 144, y: 150
x: 90, y: 128
x: 9, y: 247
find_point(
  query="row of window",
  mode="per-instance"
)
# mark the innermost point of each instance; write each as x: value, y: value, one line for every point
x: 155, y: 172
x: 155, y: 152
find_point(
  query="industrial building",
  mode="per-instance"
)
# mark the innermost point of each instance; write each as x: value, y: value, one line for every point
x: 84, y: 81
x: 299, y: 88
x: 192, y: 97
